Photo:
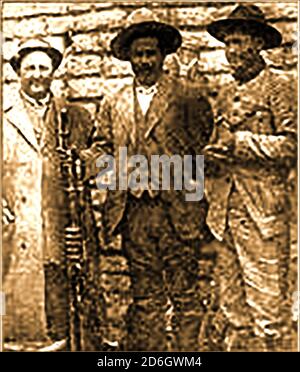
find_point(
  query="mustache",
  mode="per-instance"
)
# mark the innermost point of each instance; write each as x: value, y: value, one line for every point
x: 238, y: 55
x: 39, y: 80
x: 144, y: 68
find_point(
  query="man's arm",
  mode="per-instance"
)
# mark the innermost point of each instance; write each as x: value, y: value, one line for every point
x: 280, y: 146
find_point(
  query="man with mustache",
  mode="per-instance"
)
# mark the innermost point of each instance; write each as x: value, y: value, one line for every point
x: 254, y: 148
x: 35, y: 206
x: 162, y: 233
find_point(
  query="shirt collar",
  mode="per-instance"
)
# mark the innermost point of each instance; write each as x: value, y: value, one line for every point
x: 148, y: 91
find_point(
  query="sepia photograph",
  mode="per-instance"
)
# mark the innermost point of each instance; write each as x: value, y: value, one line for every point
x: 149, y: 177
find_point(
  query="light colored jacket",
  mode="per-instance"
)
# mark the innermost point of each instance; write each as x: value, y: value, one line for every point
x: 34, y: 195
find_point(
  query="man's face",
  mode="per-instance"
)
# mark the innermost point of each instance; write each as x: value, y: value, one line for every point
x: 147, y: 60
x: 36, y: 74
x: 241, y: 49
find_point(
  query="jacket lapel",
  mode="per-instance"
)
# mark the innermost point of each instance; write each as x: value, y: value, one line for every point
x: 125, y: 113
x: 159, y: 105
x: 19, y: 118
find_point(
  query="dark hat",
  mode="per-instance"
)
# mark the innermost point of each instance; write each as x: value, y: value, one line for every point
x: 249, y: 19
x: 33, y: 45
x: 142, y: 23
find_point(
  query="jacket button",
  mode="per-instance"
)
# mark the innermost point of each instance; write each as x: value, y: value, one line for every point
x: 23, y: 245
x: 23, y: 199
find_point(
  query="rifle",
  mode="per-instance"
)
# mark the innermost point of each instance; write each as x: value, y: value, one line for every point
x: 72, y: 172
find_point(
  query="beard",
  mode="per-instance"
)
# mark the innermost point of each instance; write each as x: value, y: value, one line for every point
x: 237, y: 61
x: 143, y: 70
x: 146, y: 75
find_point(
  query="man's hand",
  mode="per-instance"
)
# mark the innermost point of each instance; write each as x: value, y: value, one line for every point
x: 217, y: 151
x: 223, y: 147
x: 226, y: 137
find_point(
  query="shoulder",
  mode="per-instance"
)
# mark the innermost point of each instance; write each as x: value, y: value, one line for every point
x: 279, y: 81
x: 113, y: 97
x: 11, y: 114
x: 12, y: 101
x: 276, y: 76
x: 10, y: 134
x: 225, y: 89
x: 124, y: 88
x: 281, y: 88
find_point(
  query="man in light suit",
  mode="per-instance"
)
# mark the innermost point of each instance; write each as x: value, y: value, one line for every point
x: 162, y: 232
x: 254, y: 148
x: 35, y: 205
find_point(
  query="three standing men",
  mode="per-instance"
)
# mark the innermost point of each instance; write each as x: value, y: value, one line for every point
x: 255, y: 147
x: 162, y: 232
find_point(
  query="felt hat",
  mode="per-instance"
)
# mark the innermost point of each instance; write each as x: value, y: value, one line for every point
x: 143, y: 23
x: 249, y: 19
x: 33, y: 45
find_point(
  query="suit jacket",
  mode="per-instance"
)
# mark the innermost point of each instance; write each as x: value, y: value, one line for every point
x: 262, y: 115
x: 179, y: 121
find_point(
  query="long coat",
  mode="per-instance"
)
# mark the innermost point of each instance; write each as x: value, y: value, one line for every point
x: 32, y: 190
x: 178, y: 122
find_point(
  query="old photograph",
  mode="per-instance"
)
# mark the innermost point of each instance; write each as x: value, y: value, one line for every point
x: 149, y: 180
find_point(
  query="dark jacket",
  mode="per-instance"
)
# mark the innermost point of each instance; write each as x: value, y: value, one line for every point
x: 179, y: 122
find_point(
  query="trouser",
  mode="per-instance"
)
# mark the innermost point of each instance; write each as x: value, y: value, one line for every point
x: 56, y: 304
x: 163, y: 268
x: 253, y: 273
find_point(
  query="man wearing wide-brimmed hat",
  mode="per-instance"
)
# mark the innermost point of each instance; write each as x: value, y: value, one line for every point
x: 255, y: 146
x: 162, y: 232
x: 34, y: 204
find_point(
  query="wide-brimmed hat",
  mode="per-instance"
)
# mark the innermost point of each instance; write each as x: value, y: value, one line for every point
x: 33, y: 45
x: 249, y: 19
x: 143, y: 23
